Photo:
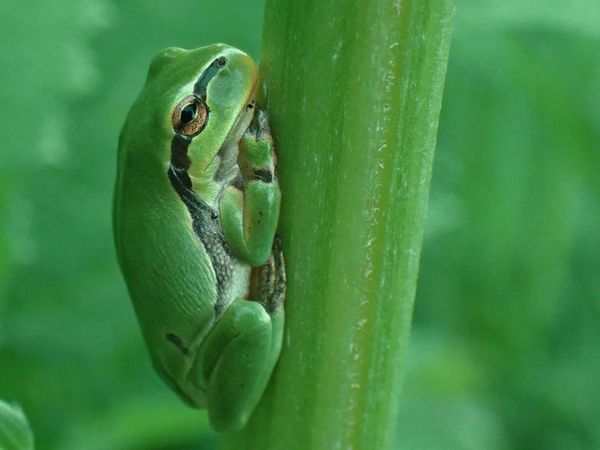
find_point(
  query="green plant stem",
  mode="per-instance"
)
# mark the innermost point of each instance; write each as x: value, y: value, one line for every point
x: 353, y: 89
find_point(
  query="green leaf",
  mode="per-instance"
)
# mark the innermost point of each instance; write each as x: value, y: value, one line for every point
x: 15, y: 433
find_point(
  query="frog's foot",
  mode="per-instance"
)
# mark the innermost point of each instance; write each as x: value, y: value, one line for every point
x: 236, y: 362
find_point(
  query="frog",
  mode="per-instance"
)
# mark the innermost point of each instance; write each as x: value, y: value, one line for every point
x: 195, y: 216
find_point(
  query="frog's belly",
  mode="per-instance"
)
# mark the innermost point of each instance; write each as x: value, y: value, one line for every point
x: 239, y: 283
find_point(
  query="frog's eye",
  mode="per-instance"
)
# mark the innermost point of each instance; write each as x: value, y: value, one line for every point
x: 189, y: 116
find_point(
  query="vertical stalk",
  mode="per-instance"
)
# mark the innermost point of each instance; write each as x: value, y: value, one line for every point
x: 353, y: 89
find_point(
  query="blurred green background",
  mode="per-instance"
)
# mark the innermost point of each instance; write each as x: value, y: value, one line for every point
x: 505, y: 349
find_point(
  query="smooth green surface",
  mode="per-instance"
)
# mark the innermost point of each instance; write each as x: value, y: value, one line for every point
x: 504, y: 349
x: 355, y: 110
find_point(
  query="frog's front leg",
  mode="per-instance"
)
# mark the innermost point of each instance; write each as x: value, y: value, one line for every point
x: 236, y: 362
x: 249, y: 216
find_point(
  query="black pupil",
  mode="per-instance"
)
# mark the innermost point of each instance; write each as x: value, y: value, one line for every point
x: 188, y: 113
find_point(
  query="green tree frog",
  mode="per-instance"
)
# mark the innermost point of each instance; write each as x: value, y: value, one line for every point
x: 196, y: 208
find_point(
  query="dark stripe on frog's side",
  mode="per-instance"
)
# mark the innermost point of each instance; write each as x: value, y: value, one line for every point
x: 176, y: 340
x: 205, y: 219
x: 207, y: 226
x: 180, y: 160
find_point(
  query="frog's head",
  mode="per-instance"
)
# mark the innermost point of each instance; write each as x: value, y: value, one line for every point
x: 194, y: 103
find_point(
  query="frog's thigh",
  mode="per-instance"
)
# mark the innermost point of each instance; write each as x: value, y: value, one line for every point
x: 238, y: 359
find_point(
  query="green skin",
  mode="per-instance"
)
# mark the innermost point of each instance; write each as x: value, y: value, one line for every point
x: 194, y: 228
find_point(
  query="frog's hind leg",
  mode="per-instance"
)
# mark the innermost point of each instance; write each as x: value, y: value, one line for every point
x: 240, y: 353
x: 236, y: 362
